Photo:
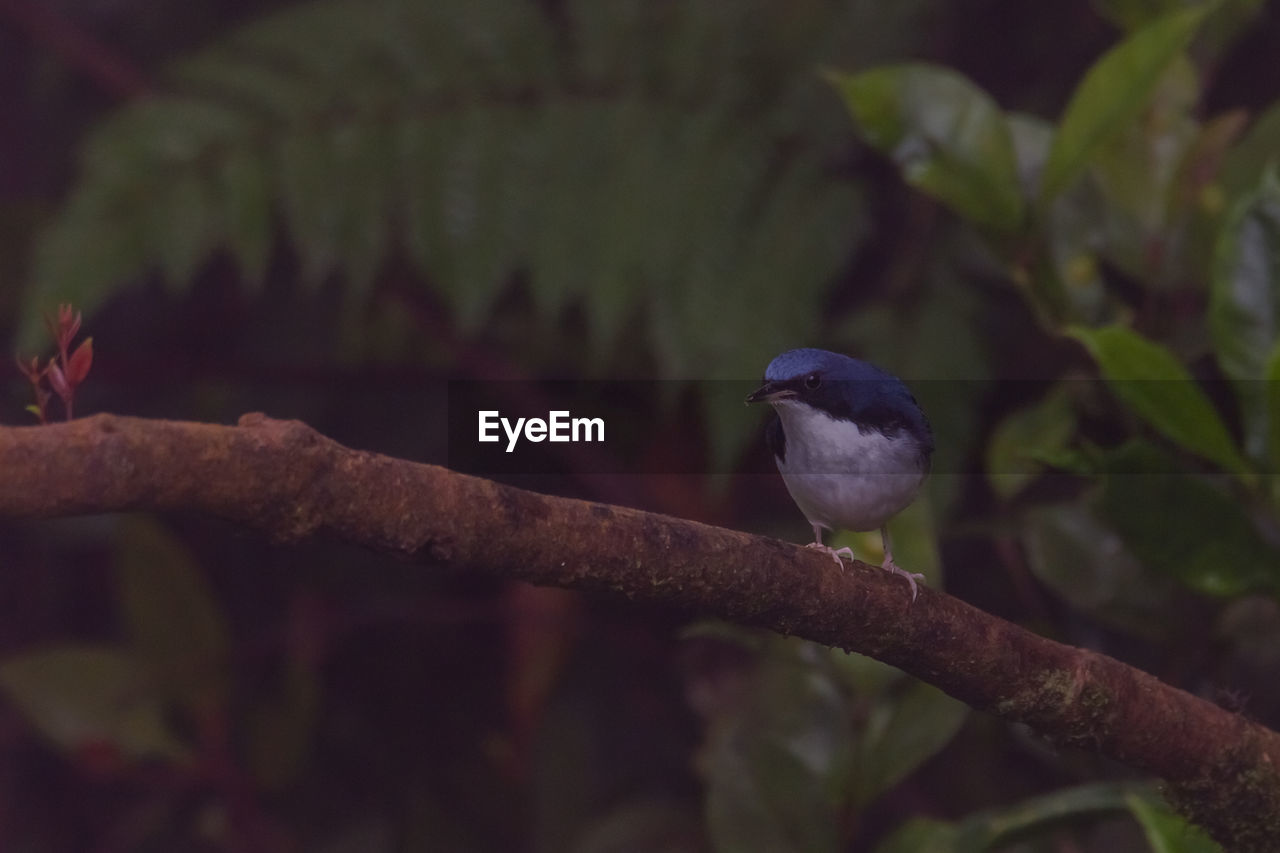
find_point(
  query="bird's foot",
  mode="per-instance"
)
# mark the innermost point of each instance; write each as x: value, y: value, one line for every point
x: 835, y: 553
x: 911, y: 577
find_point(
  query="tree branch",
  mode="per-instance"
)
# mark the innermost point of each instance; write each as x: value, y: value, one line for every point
x: 291, y: 483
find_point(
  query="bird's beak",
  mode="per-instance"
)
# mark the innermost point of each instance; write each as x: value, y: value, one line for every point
x: 770, y: 391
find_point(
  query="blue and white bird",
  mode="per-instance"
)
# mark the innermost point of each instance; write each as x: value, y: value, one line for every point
x: 852, y: 444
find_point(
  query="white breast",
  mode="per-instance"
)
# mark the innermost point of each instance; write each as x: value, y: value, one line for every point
x: 843, y: 478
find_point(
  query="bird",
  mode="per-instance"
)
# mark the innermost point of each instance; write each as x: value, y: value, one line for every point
x: 851, y: 442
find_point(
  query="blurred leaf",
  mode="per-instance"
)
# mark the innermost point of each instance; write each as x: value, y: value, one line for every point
x: 304, y: 165
x: 866, y: 677
x: 1032, y: 137
x: 947, y: 136
x: 651, y: 826
x: 281, y: 728
x: 1201, y: 164
x: 458, y: 131
x: 1134, y: 14
x: 87, y: 696
x: 174, y: 623
x: 1063, y: 284
x: 997, y: 829
x: 182, y: 232
x: 777, y: 770
x: 939, y: 348
x: 1135, y: 171
x: 1031, y: 815
x: 1167, y: 831
x: 1244, y: 304
x: 1245, y: 311
x: 1183, y: 526
x: 81, y: 362
x: 1112, y: 92
x: 1020, y: 442
x: 901, y: 735
x: 1151, y: 381
x: 246, y: 211
x: 1247, y: 161
x: 921, y: 834
x: 1067, y: 285
x: 1271, y: 380
x: 1086, y: 562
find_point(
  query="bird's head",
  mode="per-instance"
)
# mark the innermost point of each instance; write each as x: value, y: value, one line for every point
x: 844, y: 388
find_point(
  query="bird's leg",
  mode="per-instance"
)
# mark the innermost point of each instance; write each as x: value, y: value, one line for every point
x: 817, y: 545
x: 889, y: 564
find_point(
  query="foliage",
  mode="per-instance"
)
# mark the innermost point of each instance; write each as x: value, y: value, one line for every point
x: 1128, y: 181
x: 64, y: 372
x: 618, y: 160
x: 1165, y: 831
x: 816, y: 736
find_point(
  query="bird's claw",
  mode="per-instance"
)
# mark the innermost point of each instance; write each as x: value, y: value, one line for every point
x: 835, y: 553
x: 887, y: 565
x: 911, y: 577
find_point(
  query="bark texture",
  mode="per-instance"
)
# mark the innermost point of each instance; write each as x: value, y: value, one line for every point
x: 290, y: 483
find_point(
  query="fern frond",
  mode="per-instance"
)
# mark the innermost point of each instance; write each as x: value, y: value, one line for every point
x: 664, y: 161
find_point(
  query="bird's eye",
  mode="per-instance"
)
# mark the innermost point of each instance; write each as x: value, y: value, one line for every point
x: 812, y: 381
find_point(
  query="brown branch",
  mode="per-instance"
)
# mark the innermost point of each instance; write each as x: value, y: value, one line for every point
x: 291, y: 483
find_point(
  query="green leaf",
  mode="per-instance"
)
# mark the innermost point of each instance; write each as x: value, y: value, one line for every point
x: 919, y: 834
x: 1247, y: 161
x: 1134, y: 14
x: 651, y: 824
x: 1086, y: 563
x: 244, y: 191
x: 1244, y: 301
x: 1183, y: 526
x: 1244, y: 309
x: 363, y: 160
x: 1112, y: 93
x: 1135, y: 169
x: 947, y: 136
x: 1192, y: 192
x: 1167, y: 831
x: 994, y: 830
x: 303, y: 165
x: 174, y: 623
x: 901, y: 735
x: 181, y: 234
x: 1271, y: 380
x: 777, y: 768
x: 1151, y: 381
x: 997, y: 829
x: 1032, y: 136
x: 1025, y: 437
x: 83, y: 696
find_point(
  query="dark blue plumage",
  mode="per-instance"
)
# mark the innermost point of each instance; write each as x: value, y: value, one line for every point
x: 850, y: 390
